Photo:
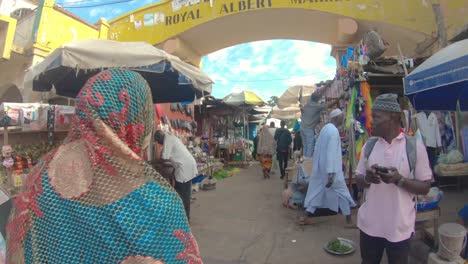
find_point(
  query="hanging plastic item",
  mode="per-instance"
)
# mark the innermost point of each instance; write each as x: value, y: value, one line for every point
x: 351, y: 107
x: 375, y: 44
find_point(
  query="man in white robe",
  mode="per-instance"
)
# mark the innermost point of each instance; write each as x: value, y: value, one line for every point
x: 327, y: 190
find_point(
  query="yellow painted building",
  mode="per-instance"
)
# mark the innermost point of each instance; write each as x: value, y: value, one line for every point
x: 192, y: 29
x: 29, y: 38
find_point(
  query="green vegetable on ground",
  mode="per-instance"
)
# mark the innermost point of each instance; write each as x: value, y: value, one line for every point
x: 338, y: 247
x: 225, y: 173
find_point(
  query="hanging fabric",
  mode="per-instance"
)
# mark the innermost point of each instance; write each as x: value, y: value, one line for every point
x: 351, y: 107
x: 365, y: 92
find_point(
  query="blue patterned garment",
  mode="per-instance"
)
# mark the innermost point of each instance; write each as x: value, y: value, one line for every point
x: 94, y: 199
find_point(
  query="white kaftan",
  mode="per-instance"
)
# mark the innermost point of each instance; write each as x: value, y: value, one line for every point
x: 328, y: 159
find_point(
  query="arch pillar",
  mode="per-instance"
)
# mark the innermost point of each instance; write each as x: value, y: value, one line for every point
x: 180, y: 48
x: 11, y: 94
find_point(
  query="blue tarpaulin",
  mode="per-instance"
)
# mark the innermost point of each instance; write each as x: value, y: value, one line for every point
x: 441, y: 81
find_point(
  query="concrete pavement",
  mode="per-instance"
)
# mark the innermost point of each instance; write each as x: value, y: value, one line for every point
x: 243, y: 221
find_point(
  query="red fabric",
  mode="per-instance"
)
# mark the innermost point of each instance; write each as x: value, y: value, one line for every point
x: 158, y: 111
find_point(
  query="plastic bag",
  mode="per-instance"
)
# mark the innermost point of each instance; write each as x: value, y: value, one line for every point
x: 454, y: 156
x: 375, y: 45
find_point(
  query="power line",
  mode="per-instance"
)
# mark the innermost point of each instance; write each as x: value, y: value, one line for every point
x: 75, y: 2
x: 97, y: 5
x: 270, y: 80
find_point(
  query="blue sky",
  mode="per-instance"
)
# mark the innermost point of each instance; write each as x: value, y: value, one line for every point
x: 264, y: 67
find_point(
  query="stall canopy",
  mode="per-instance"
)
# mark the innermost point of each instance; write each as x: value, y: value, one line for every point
x: 244, y: 98
x: 261, y: 110
x: 292, y: 112
x: 68, y: 68
x: 441, y: 81
x: 292, y: 95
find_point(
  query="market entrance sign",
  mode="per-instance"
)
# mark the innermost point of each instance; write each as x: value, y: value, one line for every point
x: 159, y: 22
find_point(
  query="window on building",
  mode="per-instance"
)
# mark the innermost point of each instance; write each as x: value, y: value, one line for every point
x: 20, y: 13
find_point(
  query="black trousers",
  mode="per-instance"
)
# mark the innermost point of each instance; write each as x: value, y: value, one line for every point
x: 372, y: 249
x: 185, y: 192
x: 283, y: 161
x: 322, y: 212
x: 432, y: 155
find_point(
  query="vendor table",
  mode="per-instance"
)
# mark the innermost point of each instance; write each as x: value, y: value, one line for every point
x: 227, y: 152
x: 458, y: 170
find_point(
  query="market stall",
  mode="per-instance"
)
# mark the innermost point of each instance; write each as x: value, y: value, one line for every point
x: 31, y: 130
x: 441, y: 84
x: 235, y: 150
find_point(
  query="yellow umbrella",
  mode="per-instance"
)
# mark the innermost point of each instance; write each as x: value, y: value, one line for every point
x: 244, y: 98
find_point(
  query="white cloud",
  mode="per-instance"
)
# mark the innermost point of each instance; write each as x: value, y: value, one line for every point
x: 244, y: 66
x: 218, y: 55
x: 311, y: 56
x: 262, y: 69
x: 237, y: 88
x: 267, y: 65
x: 304, y: 80
x: 261, y: 46
x: 97, y: 11
x: 117, y: 11
x: 218, y: 79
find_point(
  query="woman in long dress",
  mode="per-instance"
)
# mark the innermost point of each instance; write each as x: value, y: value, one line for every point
x: 94, y: 199
x: 265, y: 150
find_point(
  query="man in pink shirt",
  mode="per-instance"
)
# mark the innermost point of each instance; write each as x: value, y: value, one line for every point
x: 387, y: 217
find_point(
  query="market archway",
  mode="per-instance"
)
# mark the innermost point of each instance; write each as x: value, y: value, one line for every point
x: 192, y: 29
x: 10, y: 93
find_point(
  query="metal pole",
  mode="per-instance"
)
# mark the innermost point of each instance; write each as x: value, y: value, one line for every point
x: 441, y: 29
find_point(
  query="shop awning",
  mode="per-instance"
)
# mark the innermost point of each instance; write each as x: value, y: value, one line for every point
x: 68, y: 68
x: 441, y: 81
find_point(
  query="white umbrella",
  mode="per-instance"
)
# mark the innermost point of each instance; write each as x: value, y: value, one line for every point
x: 292, y: 112
x: 68, y: 67
x: 292, y: 95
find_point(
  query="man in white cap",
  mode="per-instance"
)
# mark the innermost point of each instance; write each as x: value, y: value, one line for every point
x: 327, y: 193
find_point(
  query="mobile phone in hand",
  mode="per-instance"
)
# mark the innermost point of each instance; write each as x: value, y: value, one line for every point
x: 381, y: 169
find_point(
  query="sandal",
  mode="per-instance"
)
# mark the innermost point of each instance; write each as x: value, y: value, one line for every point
x: 305, y: 221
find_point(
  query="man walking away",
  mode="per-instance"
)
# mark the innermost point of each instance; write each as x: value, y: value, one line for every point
x: 393, y: 170
x: 283, y: 140
x: 185, y: 165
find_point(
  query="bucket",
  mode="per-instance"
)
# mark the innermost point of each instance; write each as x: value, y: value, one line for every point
x: 452, y: 239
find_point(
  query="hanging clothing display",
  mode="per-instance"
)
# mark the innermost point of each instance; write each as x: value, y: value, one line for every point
x: 465, y: 142
x: 429, y: 127
x: 448, y: 135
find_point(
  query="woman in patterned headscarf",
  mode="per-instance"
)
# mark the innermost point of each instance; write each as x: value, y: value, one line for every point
x: 94, y: 199
x: 266, y: 148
